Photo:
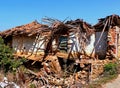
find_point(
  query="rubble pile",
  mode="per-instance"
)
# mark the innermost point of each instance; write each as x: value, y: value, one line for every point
x: 57, y: 74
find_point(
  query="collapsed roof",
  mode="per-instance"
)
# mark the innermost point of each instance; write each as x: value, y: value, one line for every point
x: 27, y: 29
x: 59, y: 28
x: 109, y: 21
x: 81, y: 25
x: 69, y: 26
x: 35, y: 27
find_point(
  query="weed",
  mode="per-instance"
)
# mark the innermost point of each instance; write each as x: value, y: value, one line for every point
x: 110, y: 69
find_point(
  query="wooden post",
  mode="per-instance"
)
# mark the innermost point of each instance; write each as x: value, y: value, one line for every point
x: 116, y: 40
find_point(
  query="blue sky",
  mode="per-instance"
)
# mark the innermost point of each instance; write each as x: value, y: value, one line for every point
x: 18, y: 12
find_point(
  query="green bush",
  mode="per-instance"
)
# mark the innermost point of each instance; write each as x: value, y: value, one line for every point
x: 110, y: 68
x: 32, y: 86
x: 7, y: 60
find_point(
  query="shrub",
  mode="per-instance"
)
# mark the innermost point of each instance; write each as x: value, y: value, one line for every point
x: 110, y: 68
x: 32, y: 86
x: 7, y: 60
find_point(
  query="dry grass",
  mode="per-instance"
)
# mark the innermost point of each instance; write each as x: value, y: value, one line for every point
x: 101, y: 81
x: 11, y: 77
x: 1, y: 75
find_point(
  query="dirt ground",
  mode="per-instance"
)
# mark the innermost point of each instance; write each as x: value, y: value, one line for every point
x: 113, y: 84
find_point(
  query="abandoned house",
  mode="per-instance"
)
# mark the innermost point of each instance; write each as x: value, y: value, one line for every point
x: 71, y: 37
x: 75, y: 41
x: 107, y: 33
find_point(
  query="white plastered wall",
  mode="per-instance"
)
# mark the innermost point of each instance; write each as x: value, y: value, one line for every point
x: 22, y: 43
x: 77, y: 47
